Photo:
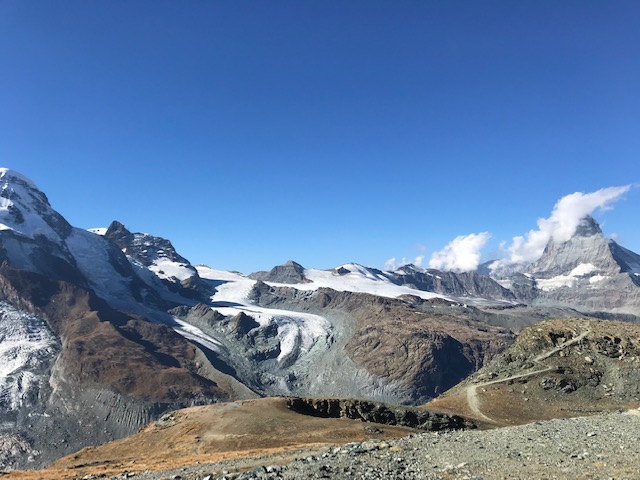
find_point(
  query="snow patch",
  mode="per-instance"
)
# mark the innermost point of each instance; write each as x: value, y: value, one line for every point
x: 597, y: 278
x: 165, y: 268
x: 505, y: 283
x: 583, y: 269
x: 190, y: 332
x: 568, y: 280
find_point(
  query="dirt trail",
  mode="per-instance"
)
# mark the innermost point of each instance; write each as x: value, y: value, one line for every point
x: 472, y: 391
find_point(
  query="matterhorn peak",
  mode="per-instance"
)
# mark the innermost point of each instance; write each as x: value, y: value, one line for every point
x: 587, y: 248
x: 588, y: 227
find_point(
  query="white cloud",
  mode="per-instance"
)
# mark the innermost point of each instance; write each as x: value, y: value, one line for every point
x: 390, y: 265
x: 562, y: 223
x: 393, y: 264
x: 462, y: 254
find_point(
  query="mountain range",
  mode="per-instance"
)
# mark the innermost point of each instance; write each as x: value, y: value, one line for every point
x: 103, y: 331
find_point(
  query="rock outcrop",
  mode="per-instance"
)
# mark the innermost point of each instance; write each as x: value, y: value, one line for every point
x: 160, y: 257
x: 378, y: 413
x: 290, y: 272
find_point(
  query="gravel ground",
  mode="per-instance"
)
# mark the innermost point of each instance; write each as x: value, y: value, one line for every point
x: 599, y: 447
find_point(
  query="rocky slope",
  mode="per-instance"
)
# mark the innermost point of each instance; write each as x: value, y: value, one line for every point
x: 324, y: 342
x: 601, y: 446
x: 465, y: 284
x: 226, y: 430
x: 88, y: 354
x: 558, y: 368
x: 94, y: 373
x: 580, y: 448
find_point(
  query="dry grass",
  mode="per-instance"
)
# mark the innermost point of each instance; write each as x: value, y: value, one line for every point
x: 245, y: 429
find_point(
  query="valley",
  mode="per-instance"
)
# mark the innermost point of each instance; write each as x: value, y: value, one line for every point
x: 119, y: 356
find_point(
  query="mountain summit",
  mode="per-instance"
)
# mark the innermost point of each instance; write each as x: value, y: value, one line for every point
x: 588, y: 227
x: 588, y: 250
x: 587, y: 272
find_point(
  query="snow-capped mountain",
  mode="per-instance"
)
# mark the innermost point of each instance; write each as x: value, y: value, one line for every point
x: 103, y: 330
x: 588, y: 272
x: 81, y: 334
x: 468, y: 287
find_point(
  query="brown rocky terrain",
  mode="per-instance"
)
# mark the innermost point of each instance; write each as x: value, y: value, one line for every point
x: 555, y: 369
x: 114, y: 372
x: 250, y: 428
x: 105, y: 347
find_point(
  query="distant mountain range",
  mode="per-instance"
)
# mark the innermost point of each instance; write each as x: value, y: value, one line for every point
x: 102, y: 331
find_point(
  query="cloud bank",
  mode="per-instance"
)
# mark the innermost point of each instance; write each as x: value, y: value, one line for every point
x: 462, y: 254
x: 562, y: 223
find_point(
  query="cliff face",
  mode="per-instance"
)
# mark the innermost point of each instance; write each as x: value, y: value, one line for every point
x: 377, y: 413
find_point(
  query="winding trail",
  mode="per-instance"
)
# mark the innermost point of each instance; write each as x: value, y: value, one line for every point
x: 472, y: 391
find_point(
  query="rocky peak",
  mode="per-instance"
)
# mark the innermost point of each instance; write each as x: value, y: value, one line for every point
x: 160, y: 257
x: 118, y: 233
x: 586, y: 248
x: 588, y: 227
x: 142, y: 247
x: 410, y: 268
x: 291, y: 272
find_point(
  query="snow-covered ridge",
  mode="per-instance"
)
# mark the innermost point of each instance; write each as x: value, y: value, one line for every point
x: 23, y: 208
x: 7, y: 174
x: 154, y: 253
x: 352, y: 277
x: 300, y: 331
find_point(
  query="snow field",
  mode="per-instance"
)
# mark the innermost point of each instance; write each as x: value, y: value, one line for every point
x: 296, y: 331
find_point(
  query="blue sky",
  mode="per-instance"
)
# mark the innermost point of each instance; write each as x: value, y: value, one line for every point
x: 250, y: 133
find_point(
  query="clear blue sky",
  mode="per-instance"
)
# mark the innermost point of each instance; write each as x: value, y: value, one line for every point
x: 252, y: 132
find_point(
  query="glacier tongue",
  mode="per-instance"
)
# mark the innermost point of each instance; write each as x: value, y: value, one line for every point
x: 297, y: 331
x: 27, y: 347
